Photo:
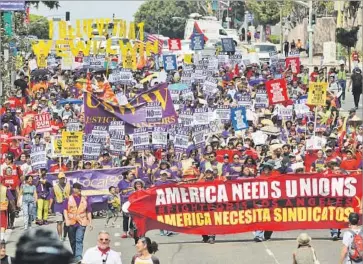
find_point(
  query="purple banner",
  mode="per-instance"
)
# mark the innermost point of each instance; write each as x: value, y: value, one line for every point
x: 100, y: 113
x: 94, y: 182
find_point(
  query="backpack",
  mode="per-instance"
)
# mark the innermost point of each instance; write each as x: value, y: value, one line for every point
x: 356, y: 247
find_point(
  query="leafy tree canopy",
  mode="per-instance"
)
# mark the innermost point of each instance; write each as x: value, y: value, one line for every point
x: 347, y: 37
x: 49, y: 4
x: 268, y: 12
x: 160, y: 14
x: 39, y: 26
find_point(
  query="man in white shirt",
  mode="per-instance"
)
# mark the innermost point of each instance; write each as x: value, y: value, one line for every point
x: 102, y: 253
x: 348, y: 238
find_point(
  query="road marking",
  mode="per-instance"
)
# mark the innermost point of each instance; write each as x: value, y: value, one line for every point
x: 270, y: 253
x: 117, y: 244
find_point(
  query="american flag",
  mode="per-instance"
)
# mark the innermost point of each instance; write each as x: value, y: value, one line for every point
x: 152, y: 38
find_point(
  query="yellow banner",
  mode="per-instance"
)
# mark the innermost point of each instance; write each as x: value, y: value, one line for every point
x: 72, y: 143
x: 317, y: 93
x: 42, y: 61
x: 19, y: 62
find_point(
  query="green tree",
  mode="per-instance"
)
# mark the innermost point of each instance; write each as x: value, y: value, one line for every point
x: 49, y: 4
x: 39, y: 26
x: 158, y: 16
x: 268, y: 12
x: 347, y: 38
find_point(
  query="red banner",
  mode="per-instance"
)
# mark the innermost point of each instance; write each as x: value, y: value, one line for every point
x: 42, y: 123
x: 277, y: 91
x: 313, y: 201
x: 174, y: 44
x: 294, y: 63
x: 230, y: 152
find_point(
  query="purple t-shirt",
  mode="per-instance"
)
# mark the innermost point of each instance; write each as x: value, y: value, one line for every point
x: 58, y: 207
x: 123, y: 185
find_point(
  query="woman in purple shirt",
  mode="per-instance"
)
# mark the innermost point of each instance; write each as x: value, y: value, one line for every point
x: 126, y: 188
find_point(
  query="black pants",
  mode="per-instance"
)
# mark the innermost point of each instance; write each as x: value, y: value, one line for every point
x: 356, y: 99
x: 206, y: 237
x: 126, y: 223
x: 286, y: 53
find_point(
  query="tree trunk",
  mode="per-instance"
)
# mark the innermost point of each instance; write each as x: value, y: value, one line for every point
x: 349, y: 67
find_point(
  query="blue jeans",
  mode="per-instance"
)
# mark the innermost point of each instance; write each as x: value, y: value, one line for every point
x: 76, y: 235
x: 28, y: 209
x: 343, y: 84
x: 260, y: 234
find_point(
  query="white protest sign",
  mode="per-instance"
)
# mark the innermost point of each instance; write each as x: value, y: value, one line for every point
x: 314, y: 143
x: 201, y: 116
x: 141, y: 139
x: 259, y: 138
x: 285, y: 111
x: 210, y: 86
x: 38, y: 157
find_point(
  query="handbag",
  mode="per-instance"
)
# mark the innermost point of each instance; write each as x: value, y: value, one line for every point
x: 316, y: 261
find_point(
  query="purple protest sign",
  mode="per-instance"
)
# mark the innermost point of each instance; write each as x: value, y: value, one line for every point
x: 98, y: 112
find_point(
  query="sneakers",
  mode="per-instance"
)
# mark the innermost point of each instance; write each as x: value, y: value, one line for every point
x: 211, y: 240
x: 335, y: 237
x: 258, y: 239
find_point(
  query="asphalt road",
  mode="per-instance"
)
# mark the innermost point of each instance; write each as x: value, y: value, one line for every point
x: 181, y: 248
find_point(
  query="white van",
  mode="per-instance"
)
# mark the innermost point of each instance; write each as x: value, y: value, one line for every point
x: 263, y: 50
x: 209, y: 25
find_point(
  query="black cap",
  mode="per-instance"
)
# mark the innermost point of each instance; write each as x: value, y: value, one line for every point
x: 353, y: 218
x: 77, y: 185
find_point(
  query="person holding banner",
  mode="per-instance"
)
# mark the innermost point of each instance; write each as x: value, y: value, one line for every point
x: 60, y: 192
x: 126, y: 189
x: 77, y: 215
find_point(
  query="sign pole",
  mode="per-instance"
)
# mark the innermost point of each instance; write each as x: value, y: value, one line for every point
x: 315, y: 115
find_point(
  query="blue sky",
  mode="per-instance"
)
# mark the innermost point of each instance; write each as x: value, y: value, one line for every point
x: 91, y: 9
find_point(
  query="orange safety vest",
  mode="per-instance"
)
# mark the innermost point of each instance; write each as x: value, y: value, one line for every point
x: 4, y: 202
x: 77, y: 214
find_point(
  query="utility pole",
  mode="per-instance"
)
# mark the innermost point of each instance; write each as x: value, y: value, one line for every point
x: 310, y: 30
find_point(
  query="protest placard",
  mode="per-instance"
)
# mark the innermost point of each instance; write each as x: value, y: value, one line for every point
x: 94, y: 61
x: 38, y: 157
x: 169, y: 62
x: 285, y: 111
x: 141, y: 139
x: 181, y: 141
x: 261, y: 99
x: 154, y: 112
x: 73, y: 125
x: 245, y: 100
x: 201, y: 116
x: 159, y: 137
x: 121, y: 76
x: 239, y: 118
x: 223, y: 113
x: 228, y: 45
x: 56, y: 146
x: 186, y: 118
x: 72, y: 143
x: 210, y: 86
x: 198, y: 136
x: 117, y: 137
x: 91, y: 151
x: 42, y: 123
x: 317, y: 93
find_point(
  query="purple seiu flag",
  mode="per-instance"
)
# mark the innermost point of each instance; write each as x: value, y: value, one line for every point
x: 98, y: 112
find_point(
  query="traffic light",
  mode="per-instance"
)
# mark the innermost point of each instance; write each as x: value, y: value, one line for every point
x: 313, y: 21
x: 68, y: 16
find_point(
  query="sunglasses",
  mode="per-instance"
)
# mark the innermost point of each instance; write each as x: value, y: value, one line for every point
x: 211, y: 157
x: 236, y: 158
x: 104, y: 239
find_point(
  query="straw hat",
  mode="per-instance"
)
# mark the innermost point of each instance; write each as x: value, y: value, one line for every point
x: 303, y: 239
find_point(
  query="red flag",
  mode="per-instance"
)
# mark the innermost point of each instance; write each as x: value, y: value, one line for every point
x: 277, y: 91
x: 196, y: 29
x: 174, y: 44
